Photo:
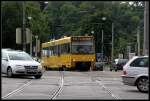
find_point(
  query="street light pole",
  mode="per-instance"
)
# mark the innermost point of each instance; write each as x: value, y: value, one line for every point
x: 103, y: 18
x: 146, y: 29
x: 138, y: 40
x: 23, y: 28
x: 36, y: 37
x: 102, y: 42
x: 31, y: 43
x: 128, y: 49
x: 112, y: 51
x: 30, y: 37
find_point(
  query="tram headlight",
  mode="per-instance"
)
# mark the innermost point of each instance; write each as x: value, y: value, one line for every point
x: 73, y: 60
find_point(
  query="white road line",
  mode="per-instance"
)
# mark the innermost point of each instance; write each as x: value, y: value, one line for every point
x: 17, y: 90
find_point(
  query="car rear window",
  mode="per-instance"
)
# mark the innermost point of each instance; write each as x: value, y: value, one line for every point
x: 140, y: 62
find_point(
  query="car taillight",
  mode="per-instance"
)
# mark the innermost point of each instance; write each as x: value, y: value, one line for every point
x: 124, y: 72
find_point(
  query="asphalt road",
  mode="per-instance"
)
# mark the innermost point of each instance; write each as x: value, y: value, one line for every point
x: 70, y: 85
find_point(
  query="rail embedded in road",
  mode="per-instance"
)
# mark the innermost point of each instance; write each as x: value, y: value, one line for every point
x: 57, y: 92
x: 27, y: 83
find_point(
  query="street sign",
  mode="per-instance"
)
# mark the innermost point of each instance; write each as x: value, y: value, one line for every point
x: 18, y: 36
x: 99, y: 57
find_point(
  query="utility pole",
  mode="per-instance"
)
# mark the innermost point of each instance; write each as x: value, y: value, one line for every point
x: 146, y: 29
x: 128, y: 49
x: 36, y: 46
x: 103, y: 19
x: 102, y: 43
x: 138, y: 40
x: 112, y: 51
x: 112, y: 48
x: 23, y: 27
x: 29, y: 18
x: 31, y: 43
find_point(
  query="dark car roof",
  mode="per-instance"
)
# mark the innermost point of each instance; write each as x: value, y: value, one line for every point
x: 120, y: 61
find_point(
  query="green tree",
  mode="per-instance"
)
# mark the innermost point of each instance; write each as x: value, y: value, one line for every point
x: 11, y: 18
x: 68, y: 18
x: 39, y: 22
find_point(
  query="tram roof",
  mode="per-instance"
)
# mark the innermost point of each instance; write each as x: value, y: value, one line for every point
x: 60, y: 41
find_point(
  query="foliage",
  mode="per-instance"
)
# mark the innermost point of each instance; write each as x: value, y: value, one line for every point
x: 68, y: 18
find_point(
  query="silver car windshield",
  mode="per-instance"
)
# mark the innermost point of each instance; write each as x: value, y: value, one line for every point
x: 19, y: 56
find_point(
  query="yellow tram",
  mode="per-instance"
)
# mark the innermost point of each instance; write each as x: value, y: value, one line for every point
x: 75, y: 52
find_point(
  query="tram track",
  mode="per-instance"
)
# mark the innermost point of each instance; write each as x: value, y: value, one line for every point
x: 103, y: 86
x: 56, y: 92
x: 27, y: 83
x: 61, y: 83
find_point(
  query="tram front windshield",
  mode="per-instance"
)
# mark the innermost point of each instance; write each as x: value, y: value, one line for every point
x: 82, y: 47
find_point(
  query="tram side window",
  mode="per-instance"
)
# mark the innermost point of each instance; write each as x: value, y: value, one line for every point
x: 44, y: 52
x: 68, y: 48
x: 65, y: 48
x: 51, y: 51
x: 55, y: 50
x: 48, y: 52
x: 59, y: 50
x: 62, y: 49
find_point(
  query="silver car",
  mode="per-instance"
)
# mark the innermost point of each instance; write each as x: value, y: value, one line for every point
x: 135, y: 73
x: 20, y: 63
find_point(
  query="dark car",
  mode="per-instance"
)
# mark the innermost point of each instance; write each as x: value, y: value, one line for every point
x: 118, y: 64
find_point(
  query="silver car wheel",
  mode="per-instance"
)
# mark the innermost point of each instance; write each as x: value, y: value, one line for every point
x: 143, y: 85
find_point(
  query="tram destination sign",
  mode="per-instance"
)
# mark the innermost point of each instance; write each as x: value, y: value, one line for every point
x: 82, y: 38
